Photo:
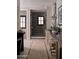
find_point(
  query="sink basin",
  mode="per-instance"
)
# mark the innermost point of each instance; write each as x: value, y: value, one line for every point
x: 53, y: 31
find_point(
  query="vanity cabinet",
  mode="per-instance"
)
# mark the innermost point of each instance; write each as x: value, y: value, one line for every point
x: 20, y: 42
x: 52, y: 46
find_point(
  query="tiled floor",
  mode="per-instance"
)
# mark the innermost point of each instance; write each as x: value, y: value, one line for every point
x: 38, y: 49
x: 24, y: 54
x: 34, y: 49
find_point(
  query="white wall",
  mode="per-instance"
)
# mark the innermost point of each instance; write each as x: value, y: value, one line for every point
x: 43, y: 5
x: 49, y: 17
x: 23, y: 12
x: 27, y: 30
x: 50, y: 13
x: 18, y: 10
x: 59, y: 3
x: 35, y: 4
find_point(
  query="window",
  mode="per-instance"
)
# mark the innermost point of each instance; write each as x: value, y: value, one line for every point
x: 40, y: 20
x: 23, y: 22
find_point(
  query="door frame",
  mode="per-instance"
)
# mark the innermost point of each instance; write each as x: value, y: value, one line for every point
x: 45, y: 21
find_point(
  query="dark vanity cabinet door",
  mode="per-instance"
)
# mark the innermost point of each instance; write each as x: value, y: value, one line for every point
x: 20, y: 42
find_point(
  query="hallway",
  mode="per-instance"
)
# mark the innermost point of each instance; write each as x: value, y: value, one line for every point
x: 38, y: 49
x: 38, y: 18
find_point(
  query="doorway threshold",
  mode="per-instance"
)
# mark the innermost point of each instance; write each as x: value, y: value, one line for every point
x: 37, y: 37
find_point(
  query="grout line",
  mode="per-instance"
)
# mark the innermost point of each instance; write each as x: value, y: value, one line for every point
x: 30, y: 48
x: 46, y: 50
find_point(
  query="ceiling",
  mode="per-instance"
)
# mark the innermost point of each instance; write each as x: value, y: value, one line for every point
x: 35, y: 4
x: 37, y: 0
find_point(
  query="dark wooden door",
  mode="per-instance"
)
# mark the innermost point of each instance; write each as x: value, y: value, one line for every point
x: 36, y: 29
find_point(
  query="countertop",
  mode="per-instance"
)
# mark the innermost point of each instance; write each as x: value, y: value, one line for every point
x: 57, y: 34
